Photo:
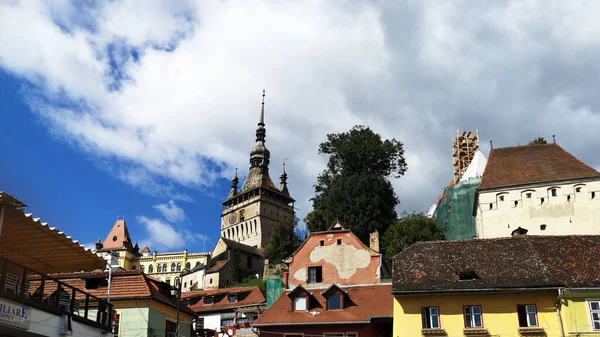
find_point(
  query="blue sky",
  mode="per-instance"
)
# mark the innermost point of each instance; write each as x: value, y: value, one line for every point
x: 145, y: 110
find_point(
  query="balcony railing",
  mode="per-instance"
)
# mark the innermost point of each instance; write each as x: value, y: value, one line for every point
x: 27, y: 286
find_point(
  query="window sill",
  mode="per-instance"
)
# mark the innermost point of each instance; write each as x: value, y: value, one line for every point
x: 433, y: 332
x: 531, y: 331
x: 476, y: 332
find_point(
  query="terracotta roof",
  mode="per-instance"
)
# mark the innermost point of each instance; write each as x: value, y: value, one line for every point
x: 362, y: 303
x: 117, y: 235
x: 502, y: 263
x: 217, y: 266
x: 242, y: 247
x: 145, y: 249
x: 245, y: 297
x: 532, y: 163
x: 125, y: 285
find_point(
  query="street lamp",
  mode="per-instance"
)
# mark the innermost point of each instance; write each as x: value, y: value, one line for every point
x: 178, y: 286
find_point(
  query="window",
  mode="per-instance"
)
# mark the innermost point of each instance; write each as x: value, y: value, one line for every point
x: 527, y: 315
x: 168, y: 281
x: 115, y: 325
x: 430, y: 317
x: 142, y: 268
x: 553, y: 191
x: 334, y: 302
x: 242, y: 215
x: 188, y: 266
x: 300, y: 303
x: 568, y: 198
x: 165, y: 268
x: 577, y: 189
x: 593, y: 195
x: 473, y: 317
x: 249, y: 261
x: 150, y: 269
x: 173, y: 266
x: 339, y: 334
x: 351, y: 334
x: 197, y: 263
x: 542, y: 201
x: 170, y: 328
x: 159, y: 269
x: 231, y: 298
x: 516, y: 203
x: 322, y: 243
x: 528, y: 195
x: 133, y: 268
x: 491, y: 206
x: 315, y: 275
x: 595, y: 314
x: 209, y: 300
x: 184, y: 285
x: 501, y: 198
x: 227, y: 322
x: 178, y: 266
x: 543, y: 227
x: 339, y: 241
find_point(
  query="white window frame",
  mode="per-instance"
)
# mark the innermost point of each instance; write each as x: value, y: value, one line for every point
x: 300, y: 299
x: 592, y: 312
x: 528, y: 311
x: 471, y: 315
x: 430, y: 316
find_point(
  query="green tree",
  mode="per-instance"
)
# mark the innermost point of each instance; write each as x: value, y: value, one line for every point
x: 355, y: 187
x: 284, y: 242
x: 234, y: 267
x: 538, y: 140
x: 411, y: 228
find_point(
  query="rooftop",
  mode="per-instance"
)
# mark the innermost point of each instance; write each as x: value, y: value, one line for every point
x: 518, y: 165
x: 363, y: 302
x: 502, y: 263
x: 245, y: 297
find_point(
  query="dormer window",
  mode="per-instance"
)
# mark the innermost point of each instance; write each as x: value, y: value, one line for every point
x: 232, y: 298
x: 300, y: 303
x: 209, y: 300
x: 467, y: 275
x: 335, y: 302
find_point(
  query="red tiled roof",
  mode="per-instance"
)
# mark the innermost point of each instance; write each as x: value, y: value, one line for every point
x: 507, y: 263
x: 217, y: 266
x: 116, y: 236
x: 125, y: 285
x: 145, y: 250
x: 530, y: 164
x: 363, y: 302
x: 246, y: 296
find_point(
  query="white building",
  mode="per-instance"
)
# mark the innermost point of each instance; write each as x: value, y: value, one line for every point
x: 540, y: 188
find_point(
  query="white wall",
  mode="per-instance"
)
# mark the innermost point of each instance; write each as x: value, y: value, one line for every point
x: 195, y: 277
x: 212, y: 321
x: 49, y: 324
x: 574, y: 210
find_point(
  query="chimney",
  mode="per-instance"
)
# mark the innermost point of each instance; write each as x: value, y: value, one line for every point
x: 374, y: 241
x: 99, y: 245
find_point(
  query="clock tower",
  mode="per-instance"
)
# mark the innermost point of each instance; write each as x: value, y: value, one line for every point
x: 251, y: 213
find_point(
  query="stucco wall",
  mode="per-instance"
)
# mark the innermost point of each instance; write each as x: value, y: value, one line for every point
x: 575, y: 312
x: 350, y: 262
x: 133, y: 321
x: 501, y: 211
x: 499, y: 312
x: 157, y: 320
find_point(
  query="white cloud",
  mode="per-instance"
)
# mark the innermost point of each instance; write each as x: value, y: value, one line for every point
x: 170, y: 93
x: 161, y: 235
x: 171, y: 212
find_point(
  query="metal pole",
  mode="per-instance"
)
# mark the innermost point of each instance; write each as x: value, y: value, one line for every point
x: 178, y: 281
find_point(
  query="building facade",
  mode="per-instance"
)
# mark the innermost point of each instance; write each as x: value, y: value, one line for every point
x: 540, y: 188
x: 518, y: 286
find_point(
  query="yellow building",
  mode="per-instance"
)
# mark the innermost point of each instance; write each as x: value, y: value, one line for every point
x: 520, y: 286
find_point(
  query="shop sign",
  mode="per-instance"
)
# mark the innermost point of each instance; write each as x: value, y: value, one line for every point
x: 14, y: 314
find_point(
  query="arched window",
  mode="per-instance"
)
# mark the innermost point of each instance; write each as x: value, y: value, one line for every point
x: 142, y: 268
x: 197, y: 263
x: 178, y: 266
x: 173, y: 266
x: 188, y: 266
x: 150, y: 269
x: 159, y: 268
x: 165, y: 268
x: 133, y: 268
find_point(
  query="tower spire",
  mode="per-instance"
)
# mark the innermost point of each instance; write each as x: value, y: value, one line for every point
x: 262, y: 111
x: 283, y: 188
x: 259, y: 155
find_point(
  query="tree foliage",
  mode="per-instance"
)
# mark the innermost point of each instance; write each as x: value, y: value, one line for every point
x: 234, y: 269
x: 411, y: 228
x: 284, y: 242
x: 355, y: 187
x: 538, y: 140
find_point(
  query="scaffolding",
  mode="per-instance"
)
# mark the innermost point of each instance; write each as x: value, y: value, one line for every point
x: 464, y: 147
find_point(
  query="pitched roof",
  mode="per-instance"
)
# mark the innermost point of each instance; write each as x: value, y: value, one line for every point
x: 362, y: 303
x: 145, y: 249
x: 242, y: 247
x: 117, y: 235
x: 217, y: 266
x: 245, y: 297
x: 125, y: 285
x: 502, y: 263
x: 527, y: 164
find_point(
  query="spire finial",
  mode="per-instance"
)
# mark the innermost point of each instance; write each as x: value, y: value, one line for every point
x: 262, y: 111
x: 554, y: 139
x: 491, y: 144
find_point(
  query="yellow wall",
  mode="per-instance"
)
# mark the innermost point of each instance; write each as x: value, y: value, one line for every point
x: 499, y: 312
x: 575, y: 312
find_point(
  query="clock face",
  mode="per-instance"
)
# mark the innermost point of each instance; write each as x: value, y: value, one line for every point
x: 232, y: 217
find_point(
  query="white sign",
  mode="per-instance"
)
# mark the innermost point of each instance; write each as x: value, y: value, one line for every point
x: 14, y: 314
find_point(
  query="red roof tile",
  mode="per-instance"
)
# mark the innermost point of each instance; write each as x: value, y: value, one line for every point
x: 519, y: 165
x: 363, y: 302
x: 117, y: 235
x: 246, y: 296
x: 507, y: 263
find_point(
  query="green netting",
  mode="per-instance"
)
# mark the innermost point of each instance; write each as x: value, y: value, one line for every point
x: 455, y: 210
x: 274, y: 288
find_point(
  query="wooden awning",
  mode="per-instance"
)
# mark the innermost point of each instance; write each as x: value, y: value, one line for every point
x: 27, y: 241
